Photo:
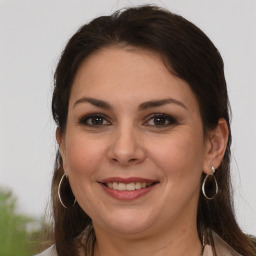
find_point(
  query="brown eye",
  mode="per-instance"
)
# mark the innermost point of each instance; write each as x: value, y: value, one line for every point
x: 94, y: 120
x: 161, y: 120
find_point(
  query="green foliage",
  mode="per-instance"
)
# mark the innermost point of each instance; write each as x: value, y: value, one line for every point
x: 15, y: 229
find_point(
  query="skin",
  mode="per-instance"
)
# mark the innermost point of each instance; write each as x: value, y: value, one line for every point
x: 129, y: 142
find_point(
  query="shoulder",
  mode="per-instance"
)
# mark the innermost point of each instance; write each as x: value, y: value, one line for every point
x: 222, y: 248
x: 51, y: 251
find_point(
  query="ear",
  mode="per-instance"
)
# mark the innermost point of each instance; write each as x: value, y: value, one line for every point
x: 61, y: 143
x: 216, y: 146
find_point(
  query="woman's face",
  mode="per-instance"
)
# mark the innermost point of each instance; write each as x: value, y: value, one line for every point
x: 134, y: 147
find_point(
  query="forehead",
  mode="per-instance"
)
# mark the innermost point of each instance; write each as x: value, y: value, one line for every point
x: 128, y: 74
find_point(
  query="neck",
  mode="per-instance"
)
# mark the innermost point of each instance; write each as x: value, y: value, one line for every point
x: 183, y: 242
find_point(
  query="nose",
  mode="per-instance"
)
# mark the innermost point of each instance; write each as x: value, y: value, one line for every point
x: 126, y: 147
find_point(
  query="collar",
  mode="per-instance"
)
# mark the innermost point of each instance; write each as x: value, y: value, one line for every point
x: 222, y: 248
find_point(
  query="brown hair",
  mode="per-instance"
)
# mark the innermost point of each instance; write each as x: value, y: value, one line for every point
x: 190, y: 55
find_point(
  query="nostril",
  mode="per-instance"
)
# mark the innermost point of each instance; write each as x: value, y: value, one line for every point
x: 124, y: 161
x: 132, y: 160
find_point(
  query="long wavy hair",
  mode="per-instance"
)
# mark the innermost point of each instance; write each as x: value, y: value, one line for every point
x: 191, y: 56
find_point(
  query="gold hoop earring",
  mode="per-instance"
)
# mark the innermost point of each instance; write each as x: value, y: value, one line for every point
x: 67, y: 191
x: 209, y: 184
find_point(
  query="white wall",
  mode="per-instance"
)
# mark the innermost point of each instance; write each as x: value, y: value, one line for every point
x: 32, y: 35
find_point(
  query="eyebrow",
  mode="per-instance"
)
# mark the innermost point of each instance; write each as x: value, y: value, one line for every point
x: 158, y: 103
x: 142, y: 106
x: 95, y: 102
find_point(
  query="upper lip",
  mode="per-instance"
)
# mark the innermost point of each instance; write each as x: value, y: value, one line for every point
x: 126, y: 180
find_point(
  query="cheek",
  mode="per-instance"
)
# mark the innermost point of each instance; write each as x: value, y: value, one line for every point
x: 180, y: 160
x: 179, y: 156
x: 83, y: 154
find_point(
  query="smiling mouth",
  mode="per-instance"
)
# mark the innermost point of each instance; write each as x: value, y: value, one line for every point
x: 127, y: 189
x: 119, y: 186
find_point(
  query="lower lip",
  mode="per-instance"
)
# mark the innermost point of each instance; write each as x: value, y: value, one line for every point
x: 127, y: 195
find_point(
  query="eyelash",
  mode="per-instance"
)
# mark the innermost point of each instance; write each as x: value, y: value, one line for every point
x: 104, y: 120
x: 84, y: 120
x: 163, y: 117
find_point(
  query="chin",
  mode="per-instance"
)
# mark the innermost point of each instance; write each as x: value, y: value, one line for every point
x: 128, y: 223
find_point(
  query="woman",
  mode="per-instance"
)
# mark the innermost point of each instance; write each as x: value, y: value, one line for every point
x: 142, y: 114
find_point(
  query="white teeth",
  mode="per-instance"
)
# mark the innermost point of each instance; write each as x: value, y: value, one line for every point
x: 115, y: 186
x: 130, y: 186
x: 138, y: 185
x: 122, y: 186
x: 127, y: 187
x: 110, y: 185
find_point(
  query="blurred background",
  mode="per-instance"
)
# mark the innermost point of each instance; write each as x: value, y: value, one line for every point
x: 32, y: 36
